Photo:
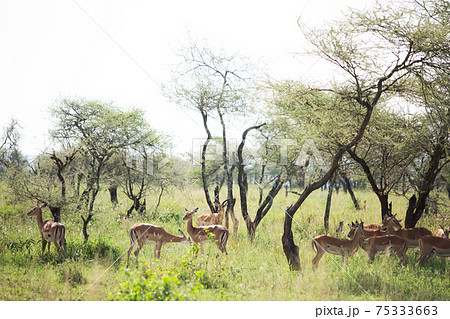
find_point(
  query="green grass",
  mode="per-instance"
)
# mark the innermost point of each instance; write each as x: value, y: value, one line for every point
x: 251, y: 271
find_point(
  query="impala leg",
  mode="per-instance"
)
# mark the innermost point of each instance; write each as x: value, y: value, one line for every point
x: 136, y: 253
x: 315, y: 261
x: 424, y: 256
x: 157, y: 252
x: 129, y: 252
x: 44, y: 243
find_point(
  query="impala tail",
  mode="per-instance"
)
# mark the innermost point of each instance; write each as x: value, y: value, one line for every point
x: 63, y: 236
x: 133, y: 236
x: 224, y: 239
x: 314, y: 245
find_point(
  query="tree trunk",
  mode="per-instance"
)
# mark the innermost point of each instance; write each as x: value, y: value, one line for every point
x: 289, y: 247
x: 382, y: 197
x: 159, y: 198
x: 417, y: 207
x: 348, y: 187
x: 326, y: 216
x: 85, y: 224
x: 229, y: 176
x: 203, y: 161
x: 243, y: 187
x: 56, y: 213
x: 113, y: 194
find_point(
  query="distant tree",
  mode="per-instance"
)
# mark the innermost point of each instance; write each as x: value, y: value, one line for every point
x: 386, y: 151
x: 99, y: 130
x: 9, y: 149
x: 213, y: 83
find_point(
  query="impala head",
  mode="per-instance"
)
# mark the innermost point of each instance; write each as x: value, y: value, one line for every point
x: 36, y: 210
x: 356, y: 227
x: 391, y: 221
x: 445, y: 230
x: 186, y: 240
x: 188, y: 214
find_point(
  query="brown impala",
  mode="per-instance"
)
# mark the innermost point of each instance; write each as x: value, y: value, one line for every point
x: 372, y: 232
x: 338, y: 246
x: 200, y: 234
x: 142, y: 234
x: 212, y: 219
x: 411, y: 235
x: 432, y: 244
x: 50, y: 231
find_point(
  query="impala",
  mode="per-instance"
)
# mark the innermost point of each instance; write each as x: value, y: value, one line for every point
x: 411, y: 235
x: 212, y: 219
x: 50, y: 231
x: 142, y: 234
x: 200, y: 235
x: 338, y: 246
x: 432, y: 244
x: 386, y: 219
x: 442, y: 232
x: 385, y: 244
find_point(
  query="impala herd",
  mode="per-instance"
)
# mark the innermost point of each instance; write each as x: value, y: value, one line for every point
x: 389, y: 237
x: 374, y: 239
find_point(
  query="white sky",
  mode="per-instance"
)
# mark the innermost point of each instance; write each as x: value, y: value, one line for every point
x: 53, y: 48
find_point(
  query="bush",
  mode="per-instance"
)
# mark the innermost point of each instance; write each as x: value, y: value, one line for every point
x: 184, y: 282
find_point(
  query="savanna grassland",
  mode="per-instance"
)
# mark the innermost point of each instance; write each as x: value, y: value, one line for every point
x: 252, y: 271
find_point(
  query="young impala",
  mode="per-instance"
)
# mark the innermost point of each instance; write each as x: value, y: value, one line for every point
x: 212, y: 219
x: 432, y: 244
x: 200, y: 234
x: 142, y: 234
x: 442, y: 232
x: 338, y: 246
x: 411, y: 235
x: 50, y: 231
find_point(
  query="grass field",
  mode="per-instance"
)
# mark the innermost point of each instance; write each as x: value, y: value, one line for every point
x: 252, y: 271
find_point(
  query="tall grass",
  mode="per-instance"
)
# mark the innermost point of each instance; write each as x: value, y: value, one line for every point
x: 252, y: 271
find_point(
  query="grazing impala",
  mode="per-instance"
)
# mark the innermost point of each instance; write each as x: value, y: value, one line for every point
x: 411, y: 235
x: 142, y: 234
x: 442, y: 232
x: 200, y: 234
x: 212, y: 219
x: 50, y: 231
x: 432, y: 244
x: 338, y: 246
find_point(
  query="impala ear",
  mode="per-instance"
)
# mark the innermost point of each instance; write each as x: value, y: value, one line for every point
x: 181, y: 233
x: 195, y: 210
x: 441, y: 227
x: 185, y: 209
x: 44, y: 205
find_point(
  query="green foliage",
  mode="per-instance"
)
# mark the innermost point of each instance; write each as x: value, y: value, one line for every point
x: 94, y: 248
x: 186, y: 281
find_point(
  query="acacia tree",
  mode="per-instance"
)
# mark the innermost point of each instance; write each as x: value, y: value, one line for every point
x: 99, y: 130
x: 386, y: 151
x: 377, y: 50
x: 9, y: 150
x: 213, y: 83
x: 285, y: 162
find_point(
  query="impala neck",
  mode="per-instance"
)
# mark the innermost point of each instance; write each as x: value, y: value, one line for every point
x: 175, y: 239
x: 40, y: 222
x: 356, y: 238
x: 190, y: 227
